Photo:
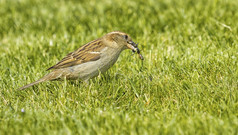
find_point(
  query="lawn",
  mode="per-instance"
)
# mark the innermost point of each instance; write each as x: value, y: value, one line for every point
x: 187, y: 84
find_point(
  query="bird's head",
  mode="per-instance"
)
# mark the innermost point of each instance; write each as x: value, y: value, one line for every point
x: 122, y: 40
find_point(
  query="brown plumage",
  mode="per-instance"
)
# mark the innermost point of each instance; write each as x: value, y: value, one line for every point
x: 90, y: 59
x: 81, y: 55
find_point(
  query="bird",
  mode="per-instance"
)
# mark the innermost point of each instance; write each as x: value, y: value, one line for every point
x: 90, y: 59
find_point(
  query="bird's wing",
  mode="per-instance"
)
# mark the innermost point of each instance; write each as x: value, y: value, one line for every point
x: 86, y: 53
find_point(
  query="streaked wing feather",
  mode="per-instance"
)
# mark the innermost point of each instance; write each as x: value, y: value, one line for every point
x: 81, y: 55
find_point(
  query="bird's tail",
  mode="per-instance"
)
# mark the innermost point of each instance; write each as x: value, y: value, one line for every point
x: 31, y: 84
x: 51, y: 76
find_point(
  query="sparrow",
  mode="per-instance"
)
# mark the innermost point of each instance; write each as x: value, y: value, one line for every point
x: 90, y: 59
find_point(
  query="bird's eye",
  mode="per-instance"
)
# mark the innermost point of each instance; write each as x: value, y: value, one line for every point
x: 125, y: 36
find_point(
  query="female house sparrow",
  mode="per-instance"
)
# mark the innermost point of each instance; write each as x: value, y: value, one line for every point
x: 90, y: 59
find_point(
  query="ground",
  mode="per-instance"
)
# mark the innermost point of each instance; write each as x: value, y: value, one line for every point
x: 187, y: 84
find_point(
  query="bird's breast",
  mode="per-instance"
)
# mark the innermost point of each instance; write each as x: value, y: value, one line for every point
x: 85, y: 71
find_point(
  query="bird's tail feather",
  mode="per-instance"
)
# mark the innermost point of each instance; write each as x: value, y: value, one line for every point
x: 50, y: 76
x: 31, y: 84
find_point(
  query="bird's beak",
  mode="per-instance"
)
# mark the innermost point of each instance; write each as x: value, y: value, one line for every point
x: 133, y: 46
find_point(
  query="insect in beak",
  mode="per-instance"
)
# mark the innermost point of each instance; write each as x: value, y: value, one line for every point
x: 134, y: 47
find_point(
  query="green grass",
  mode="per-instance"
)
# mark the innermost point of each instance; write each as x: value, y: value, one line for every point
x: 188, y: 83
